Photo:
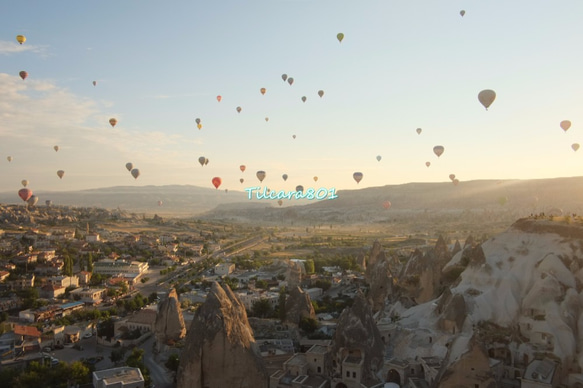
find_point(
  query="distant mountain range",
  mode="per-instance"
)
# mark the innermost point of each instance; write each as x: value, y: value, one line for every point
x: 518, y: 197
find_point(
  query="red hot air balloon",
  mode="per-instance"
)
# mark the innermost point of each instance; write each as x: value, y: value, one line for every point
x: 217, y: 182
x: 387, y: 204
x: 25, y: 194
x: 242, y: 168
x: 219, y: 98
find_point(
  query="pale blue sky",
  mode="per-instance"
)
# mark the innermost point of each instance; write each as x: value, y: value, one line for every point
x: 402, y: 65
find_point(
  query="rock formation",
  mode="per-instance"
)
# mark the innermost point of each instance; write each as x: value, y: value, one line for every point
x: 220, y: 349
x: 379, y: 277
x: 294, y: 273
x: 298, y: 305
x: 169, y: 326
x: 373, y: 257
x: 357, y: 333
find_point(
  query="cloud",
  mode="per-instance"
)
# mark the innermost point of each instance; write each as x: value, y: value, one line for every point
x: 9, y: 48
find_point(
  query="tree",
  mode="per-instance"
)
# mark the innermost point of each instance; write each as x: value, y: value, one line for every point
x: 172, y: 363
x: 261, y: 284
x: 90, y: 263
x: 261, y: 308
x: 117, y: 355
x: 309, y: 325
x: 281, y: 306
x: 310, y: 267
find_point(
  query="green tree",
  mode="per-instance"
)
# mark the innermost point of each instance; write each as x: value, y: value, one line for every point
x: 309, y: 325
x: 310, y: 267
x: 261, y: 284
x: 281, y: 305
x: 261, y: 308
x: 90, y: 263
x: 172, y: 363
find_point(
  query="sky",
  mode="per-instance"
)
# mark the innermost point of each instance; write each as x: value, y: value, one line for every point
x: 402, y: 65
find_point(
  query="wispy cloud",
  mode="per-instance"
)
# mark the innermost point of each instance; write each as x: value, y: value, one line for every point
x: 9, y: 48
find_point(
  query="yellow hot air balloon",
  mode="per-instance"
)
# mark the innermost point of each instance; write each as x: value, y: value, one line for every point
x: 21, y: 39
x: 340, y: 36
x: 199, y: 126
x: 565, y: 125
x: 262, y: 90
x: 487, y: 97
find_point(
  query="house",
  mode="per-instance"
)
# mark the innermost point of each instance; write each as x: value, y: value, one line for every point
x: 84, y: 277
x: 4, y: 275
x: 92, y: 237
x: 92, y: 296
x: 122, y: 377
x: 64, y: 281
x: 51, y: 291
x: 142, y: 320
x: 21, y: 282
x: 224, y: 269
x: 541, y: 374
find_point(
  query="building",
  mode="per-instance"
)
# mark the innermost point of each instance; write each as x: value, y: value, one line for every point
x: 91, y: 296
x: 51, y: 291
x: 92, y: 237
x: 541, y: 374
x: 143, y: 321
x: 119, y: 267
x: 123, y: 377
x: 224, y: 269
x: 64, y: 281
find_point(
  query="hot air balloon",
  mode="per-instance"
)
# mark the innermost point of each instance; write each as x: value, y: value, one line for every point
x: 304, y: 98
x: 60, y: 174
x: 160, y: 203
x: 300, y: 188
x: 217, y: 182
x: 238, y: 109
x: 280, y: 202
x: 456, y: 181
x: 428, y: 164
x: 206, y: 161
x: 284, y: 77
x: 32, y: 200
x: 321, y: 93
x: 565, y: 125
x: 290, y: 81
x: 260, y: 175
x: 575, y: 146
x: 94, y: 83
x: 197, y: 121
x: 9, y: 158
x: 24, y: 182
x: 357, y: 176
x: 199, y: 126
x: 387, y: 204
x: 219, y: 98
x: 129, y: 166
x: 487, y: 97
x: 340, y: 36
x: 135, y: 173
x: 241, y: 180
x: 462, y: 12
x: 242, y: 168
x: 263, y: 90
x: 48, y: 202
x: 56, y: 148
x: 451, y: 177
x: 294, y: 136
x: 112, y: 121
x: 379, y: 158
x: 315, y: 179
x: 266, y: 119
x: 419, y: 130
x: 20, y: 39
x: 284, y: 176
x: 23, y: 74
x: 25, y: 194
x: 438, y: 150
x: 202, y: 160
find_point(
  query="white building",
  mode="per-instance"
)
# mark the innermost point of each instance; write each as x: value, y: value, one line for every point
x: 123, y: 377
x: 111, y: 267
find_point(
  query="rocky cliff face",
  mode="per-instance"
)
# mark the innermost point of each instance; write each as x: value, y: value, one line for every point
x: 298, y: 305
x: 220, y: 349
x: 357, y: 331
x: 169, y: 326
x: 379, y: 277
